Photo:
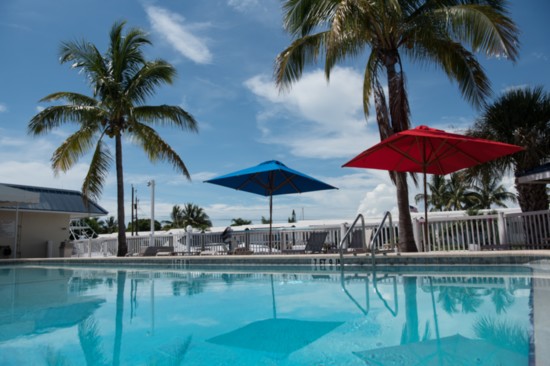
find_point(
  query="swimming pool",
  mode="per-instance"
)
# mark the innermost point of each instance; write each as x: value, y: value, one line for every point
x: 136, y: 316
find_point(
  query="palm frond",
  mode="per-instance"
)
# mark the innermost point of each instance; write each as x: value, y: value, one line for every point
x: 147, y: 78
x: 55, y: 116
x: 72, y: 98
x: 290, y: 63
x: 125, y: 51
x: 303, y: 16
x: 486, y: 28
x: 97, y: 173
x: 371, y: 71
x: 165, y: 115
x: 156, y: 148
x: 458, y: 63
x: 86, y: 56
x: 72, y: 149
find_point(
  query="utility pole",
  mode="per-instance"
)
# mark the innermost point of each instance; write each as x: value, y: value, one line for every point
x: 137, y: 221
x: 151, y: 184
x: 132, y: 209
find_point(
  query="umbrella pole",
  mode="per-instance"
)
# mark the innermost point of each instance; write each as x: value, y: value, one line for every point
x: 270, y: 219
x: 426, y: 236
x: 273, y: 299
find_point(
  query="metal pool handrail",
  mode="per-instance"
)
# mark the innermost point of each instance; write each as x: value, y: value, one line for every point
x: 345, y: 237
x: 376, y: 234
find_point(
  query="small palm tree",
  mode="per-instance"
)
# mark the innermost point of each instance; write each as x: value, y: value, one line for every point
x: 458, y: 197
x: 488, y: 191
x: 240, y: 222
x: 195, y: 216
x: 110, y: 225
x: 121, y: 81
x: 427, y: 32
x: 438, y: 193
x: 177, y: 216
x: 520, y: 117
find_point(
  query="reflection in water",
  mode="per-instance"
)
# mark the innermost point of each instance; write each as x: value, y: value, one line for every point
x: 90, y: 342
x: 121, y: 281
x: 76, y: 316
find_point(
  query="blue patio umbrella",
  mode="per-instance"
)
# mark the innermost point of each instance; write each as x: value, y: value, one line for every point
x: 270, y: 178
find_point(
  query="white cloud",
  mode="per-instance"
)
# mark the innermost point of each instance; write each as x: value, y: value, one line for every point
x: 266, y: 12
x: 243, y: 5
x: 513, y: 87
x: 171, y: 26
x: 41, y: 174
x: 540, y: 56
x: 315, y: 119
x: 3, y: 107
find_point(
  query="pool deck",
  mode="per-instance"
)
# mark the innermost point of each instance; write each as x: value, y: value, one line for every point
x: 433, y: 259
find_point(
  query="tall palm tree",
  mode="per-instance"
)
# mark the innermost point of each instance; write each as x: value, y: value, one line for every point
x: 195, y: 216
x: 121, y: 81
x: 520, y: 117
x: 426, y: 31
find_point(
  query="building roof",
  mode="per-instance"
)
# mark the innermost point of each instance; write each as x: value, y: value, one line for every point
x: 540, y: 175
x: 55, y: 200
x: 13, y: 196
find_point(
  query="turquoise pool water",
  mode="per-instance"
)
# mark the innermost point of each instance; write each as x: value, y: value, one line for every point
x: 108, y: 316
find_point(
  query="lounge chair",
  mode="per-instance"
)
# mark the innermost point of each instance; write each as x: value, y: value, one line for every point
x: 357, y: 244
x: 314, y: 244
x: 215, y: 249
x: 158, y: 251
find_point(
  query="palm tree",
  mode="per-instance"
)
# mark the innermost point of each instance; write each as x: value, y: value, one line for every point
x: 239, y: 222
x: 438, y: 192
x: 110, y: 225
x: 425, y: 31
x: 487, y: 191
x: 121, y: 80
x: 520, y: 117
x: 177, y: 216
x: 195, y: 216
x: 458, y: 197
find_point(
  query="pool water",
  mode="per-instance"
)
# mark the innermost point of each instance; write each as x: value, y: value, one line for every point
x: 99, y: 316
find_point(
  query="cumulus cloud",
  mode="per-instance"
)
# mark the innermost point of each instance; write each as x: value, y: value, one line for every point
x: 315, y: 118
x: 178, y: 33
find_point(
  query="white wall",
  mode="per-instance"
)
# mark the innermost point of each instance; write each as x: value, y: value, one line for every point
x: 35, y: 229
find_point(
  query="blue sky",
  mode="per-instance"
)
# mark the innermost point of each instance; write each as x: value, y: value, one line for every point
x: 224, y: 52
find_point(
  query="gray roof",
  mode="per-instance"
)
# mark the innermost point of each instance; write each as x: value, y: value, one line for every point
x: 58, y: 200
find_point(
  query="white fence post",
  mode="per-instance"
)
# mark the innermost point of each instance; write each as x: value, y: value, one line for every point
x: 188, y: 236
x: 343, y: 230
x: 89, y: 247
x: 417, y: 235
x: 502, y: 234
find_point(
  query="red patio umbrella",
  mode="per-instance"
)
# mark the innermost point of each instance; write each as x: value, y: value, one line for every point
x: 429, y: 150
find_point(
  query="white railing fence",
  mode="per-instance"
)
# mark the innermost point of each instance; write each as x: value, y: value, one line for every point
x: 484, y: 232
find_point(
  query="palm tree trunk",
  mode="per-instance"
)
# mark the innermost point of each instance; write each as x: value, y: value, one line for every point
x: 399, y: 121
x: 121, y: 281
x: 411, y: 334
x: 122, y: 246
x: 532, y: 197
x: 406, y: 236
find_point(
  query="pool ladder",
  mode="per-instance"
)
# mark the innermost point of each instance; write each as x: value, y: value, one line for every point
x: 378, y: 231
